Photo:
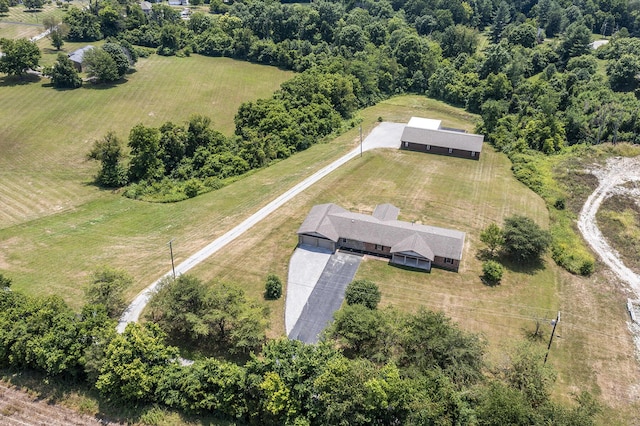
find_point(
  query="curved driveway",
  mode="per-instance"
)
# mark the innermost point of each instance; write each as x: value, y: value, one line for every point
x: 385, y: 135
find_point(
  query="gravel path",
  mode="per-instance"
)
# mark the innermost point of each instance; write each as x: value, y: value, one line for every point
x: 612, y: 178
x: 617, y: 172
x: 385, y: 135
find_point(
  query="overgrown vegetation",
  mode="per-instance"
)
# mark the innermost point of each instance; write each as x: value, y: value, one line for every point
x: 391, y: 379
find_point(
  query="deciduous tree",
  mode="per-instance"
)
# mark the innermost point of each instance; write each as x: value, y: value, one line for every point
x: 63, y: 74
x: 492, y: 237
x: 524, y: 240
x: 108, y: 150
x: 19, y: 56
x: 107, y: 288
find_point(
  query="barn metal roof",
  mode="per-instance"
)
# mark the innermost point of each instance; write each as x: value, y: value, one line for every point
x: 333, y: 222
x: 418, y: 130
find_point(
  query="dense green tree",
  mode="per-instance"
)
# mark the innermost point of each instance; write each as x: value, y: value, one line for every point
x: 524, y: 35
x: 83, y: 25
x: 107, y: 288
x: 63, y: 74
x: 528, y: 374
x: 458, y: 39
x: 145, y: 145
x: 501, y: 405
x: 108, y: 150
x: 624, y: 73
x: 524, y: 240
x: 101, y: 65
x: 33, y: 4
x: 119, y: 56
x: 206, y: 386
x: 363, y: 292
x: 297, y: 365
x: 430, y: 340
x: 501, y: 19
x: 111, y: 19
x: 44, y: 334
x: 221, y: 316
x: 134, y: 363
x: 575, y: 41
x: 357, y: 327
x: 177, y: 308
x: 19, y: 56
x: 4, y: 7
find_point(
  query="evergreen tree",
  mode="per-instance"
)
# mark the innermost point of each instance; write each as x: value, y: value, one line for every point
x: 501, y: 19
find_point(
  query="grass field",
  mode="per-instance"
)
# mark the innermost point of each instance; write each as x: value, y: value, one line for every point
x: 20, y: 22
x: 56, y: 252
x: 47, y: 133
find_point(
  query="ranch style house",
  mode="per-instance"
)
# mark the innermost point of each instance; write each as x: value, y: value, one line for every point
x: 427, y: 135
x: 408, y: 244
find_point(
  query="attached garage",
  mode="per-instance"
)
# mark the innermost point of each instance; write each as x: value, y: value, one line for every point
x: 312, y: 241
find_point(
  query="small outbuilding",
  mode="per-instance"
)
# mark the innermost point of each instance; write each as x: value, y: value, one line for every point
x: 427, y: 135
x: 77, y: 57
x: 419, y: 246
x: 146, y: 7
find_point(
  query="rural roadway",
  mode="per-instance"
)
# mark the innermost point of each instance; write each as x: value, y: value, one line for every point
x: 385, y: 135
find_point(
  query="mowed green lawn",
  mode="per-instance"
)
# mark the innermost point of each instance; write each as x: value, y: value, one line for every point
x: 46, y: 133
x: 21, y: 22
x: 55, y: 254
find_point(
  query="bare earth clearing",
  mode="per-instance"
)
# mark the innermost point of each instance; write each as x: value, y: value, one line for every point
x: 613, y: 177
x: 18, y: 408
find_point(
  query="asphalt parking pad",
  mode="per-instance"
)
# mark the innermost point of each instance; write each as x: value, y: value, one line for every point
x: 326, y: 297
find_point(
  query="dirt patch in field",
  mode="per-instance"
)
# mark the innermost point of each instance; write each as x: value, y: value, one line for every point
x: 618, y: 219
x: 20, y: 408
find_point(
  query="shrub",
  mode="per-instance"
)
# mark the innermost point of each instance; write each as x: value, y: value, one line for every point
x: 273, y: 287
x: 492, y: 271
x: 192, y: 187
x: 363, y: 292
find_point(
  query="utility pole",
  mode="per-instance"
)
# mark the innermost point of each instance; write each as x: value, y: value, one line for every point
x: 361, y: 141
x: 173, y: 268
x: 555, y: 324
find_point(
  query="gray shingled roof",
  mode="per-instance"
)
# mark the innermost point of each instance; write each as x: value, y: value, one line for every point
x: 426, y: 135
x: 334, y: 222
x: 77, y: 56
x: 386, y: 212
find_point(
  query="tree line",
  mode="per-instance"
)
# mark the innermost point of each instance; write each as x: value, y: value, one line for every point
x: 408, y: 368
x: 174, y: 161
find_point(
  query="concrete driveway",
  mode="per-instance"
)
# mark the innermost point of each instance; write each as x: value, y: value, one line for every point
x: 384, y: 135
x: 327, y: 294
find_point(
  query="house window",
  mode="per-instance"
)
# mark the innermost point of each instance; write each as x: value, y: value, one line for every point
x: 379, y: 247
x: 406, y: 144
x: 428, y: 147
x: 448, y: 260
x: 473, y: 153
x: 344, y: 240
x: 450, y: 150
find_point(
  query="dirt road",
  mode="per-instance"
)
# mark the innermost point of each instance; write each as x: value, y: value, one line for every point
x: 613, y: 178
